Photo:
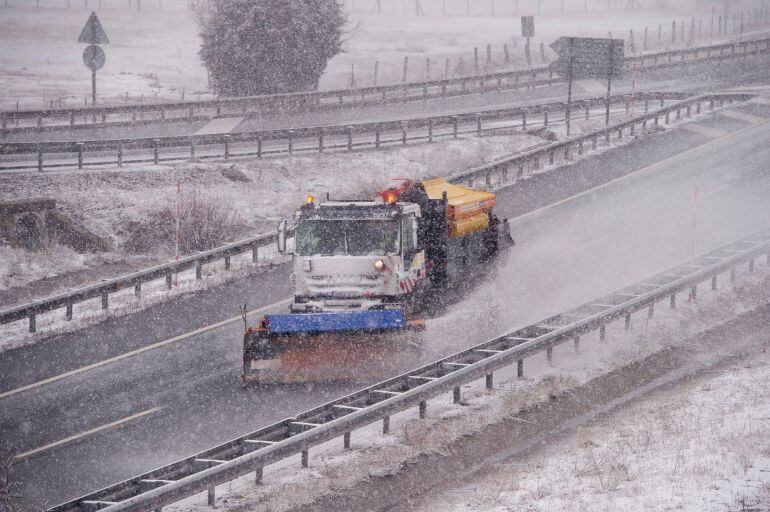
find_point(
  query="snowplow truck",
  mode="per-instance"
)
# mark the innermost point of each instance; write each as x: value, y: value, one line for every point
x: 362, y: 268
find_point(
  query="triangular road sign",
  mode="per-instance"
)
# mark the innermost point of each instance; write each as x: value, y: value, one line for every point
x: 93, y: 33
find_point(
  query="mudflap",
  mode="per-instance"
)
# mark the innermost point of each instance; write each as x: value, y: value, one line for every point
x: 314, y: 356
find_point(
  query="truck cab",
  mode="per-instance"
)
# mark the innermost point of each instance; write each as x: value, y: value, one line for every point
x: 356, y: 255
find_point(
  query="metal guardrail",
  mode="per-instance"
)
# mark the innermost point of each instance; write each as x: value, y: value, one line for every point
x: 290, y: 102
x: 252, y: 452
x: 70, y: 154
x: 521, y: 165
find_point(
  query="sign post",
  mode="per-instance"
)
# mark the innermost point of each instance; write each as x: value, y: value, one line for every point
x: 528, y: 30
x: 93, y: 56
x: 583, y: 57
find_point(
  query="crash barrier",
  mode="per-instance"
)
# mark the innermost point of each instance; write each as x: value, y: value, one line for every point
x: 251, y: 453
x: 414, y: 91
x: 518, y: 166
x: 348, y: 137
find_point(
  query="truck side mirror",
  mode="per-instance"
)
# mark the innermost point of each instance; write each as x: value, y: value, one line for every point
x: 282, y: 237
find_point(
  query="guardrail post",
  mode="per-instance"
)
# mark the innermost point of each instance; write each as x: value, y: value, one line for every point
x: 39, y: 123
x: 520, y: 172
x: 602, y: 332
x: 607, y: 137
x: 487, y: 181
x: 258, y: 474
x: 672, y: 302
x: 576, y: 344
x: 646, y: 105
x: 155, y: 150
x: 190, y: 115
x: 711, y: 104
x: 430, y: 130
x: 443, y: 91
x: 678, y: 114
x: 628, y: 321
x: 198, y: 270
x: 227, y: 147
x: 566, y: 153
x: 39, y: 158
x: 72, y: 120
x: 212, y: 495
x: 138, y: 290
x: 169, y: 280
x: 377, y: 137
x: 346, y: 441
x: 697, y: 108
x: 104, y: 118
x: 423, y: 409
x: 628, y: 105
x: 751, y: 266
x: 651, y: 310
x: 320, y: 141
x: 454, y: 127
x: 32, y: 323
x: 687, y: 113
x: 545, y: 118
x: 662, y: 102
x: 254, y: 254
x: 227, y: 262
x: 549, y: 355
x: 259, y: 147
x: 580, y: 148
x: 588, y: 111
x: 349, y: 131
x: 537, y: 163
x: 620, y: 133
x: 593, y: 142
x: 403, y: 133
x: 694, y: 292
x: 490, y: 381
x: 105, y: 300
x: 478, y: 124
x: 714, y: 283
x: 68, y: 314
x: 162, y: 113
x: 456, y: 395
x: 632, y: 130
x: 524, y: 121
x: 192, y: 149
x: 386, y: 424
x: 668, y: 118
x: 644, y: 126
x: 550, y: 157
x: 80, y: 154
x: 290, y: 136
x: 305, y: 458
x: 520, y: 368
x: 120, y: 154
x: 133, y: 118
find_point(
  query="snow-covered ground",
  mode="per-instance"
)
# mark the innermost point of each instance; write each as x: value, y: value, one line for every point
x: 703, y: 447
x: 154, y: 53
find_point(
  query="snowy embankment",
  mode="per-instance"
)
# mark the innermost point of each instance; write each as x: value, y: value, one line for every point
x: 154, y: 54
x: 701, y: 447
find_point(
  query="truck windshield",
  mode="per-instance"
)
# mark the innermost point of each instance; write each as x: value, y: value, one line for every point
x: 347, y: 237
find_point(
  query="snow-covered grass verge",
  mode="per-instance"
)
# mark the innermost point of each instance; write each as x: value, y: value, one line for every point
x: 154, y: 54
x: 333, y: 469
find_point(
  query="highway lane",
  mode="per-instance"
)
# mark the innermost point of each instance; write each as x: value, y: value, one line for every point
x: 566, y: 254
x: 697, y: 77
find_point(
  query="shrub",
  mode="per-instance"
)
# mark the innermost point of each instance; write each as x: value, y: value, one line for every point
x: 263, y: 47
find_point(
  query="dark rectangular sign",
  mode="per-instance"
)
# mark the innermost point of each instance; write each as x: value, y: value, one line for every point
x: 590, y: 57
x: 527, y: 26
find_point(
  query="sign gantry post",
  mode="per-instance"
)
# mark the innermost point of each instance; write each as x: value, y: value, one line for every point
x: 93, y: 56
x: 585, y: 57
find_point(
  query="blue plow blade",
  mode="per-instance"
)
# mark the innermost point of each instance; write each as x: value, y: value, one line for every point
x: 377, y: 320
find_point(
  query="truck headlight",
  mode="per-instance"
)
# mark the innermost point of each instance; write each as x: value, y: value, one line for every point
x: 379, y: 265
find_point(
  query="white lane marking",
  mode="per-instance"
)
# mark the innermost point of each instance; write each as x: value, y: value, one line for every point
x: 704, y: 130
x: 87, y: 433
x: 742, y: 116
x: 640, y: 172
x: 220, y: 125
x: 716, y: 190
x: 139, y: 350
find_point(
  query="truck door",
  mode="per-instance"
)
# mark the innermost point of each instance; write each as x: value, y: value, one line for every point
x: 414, y: 259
